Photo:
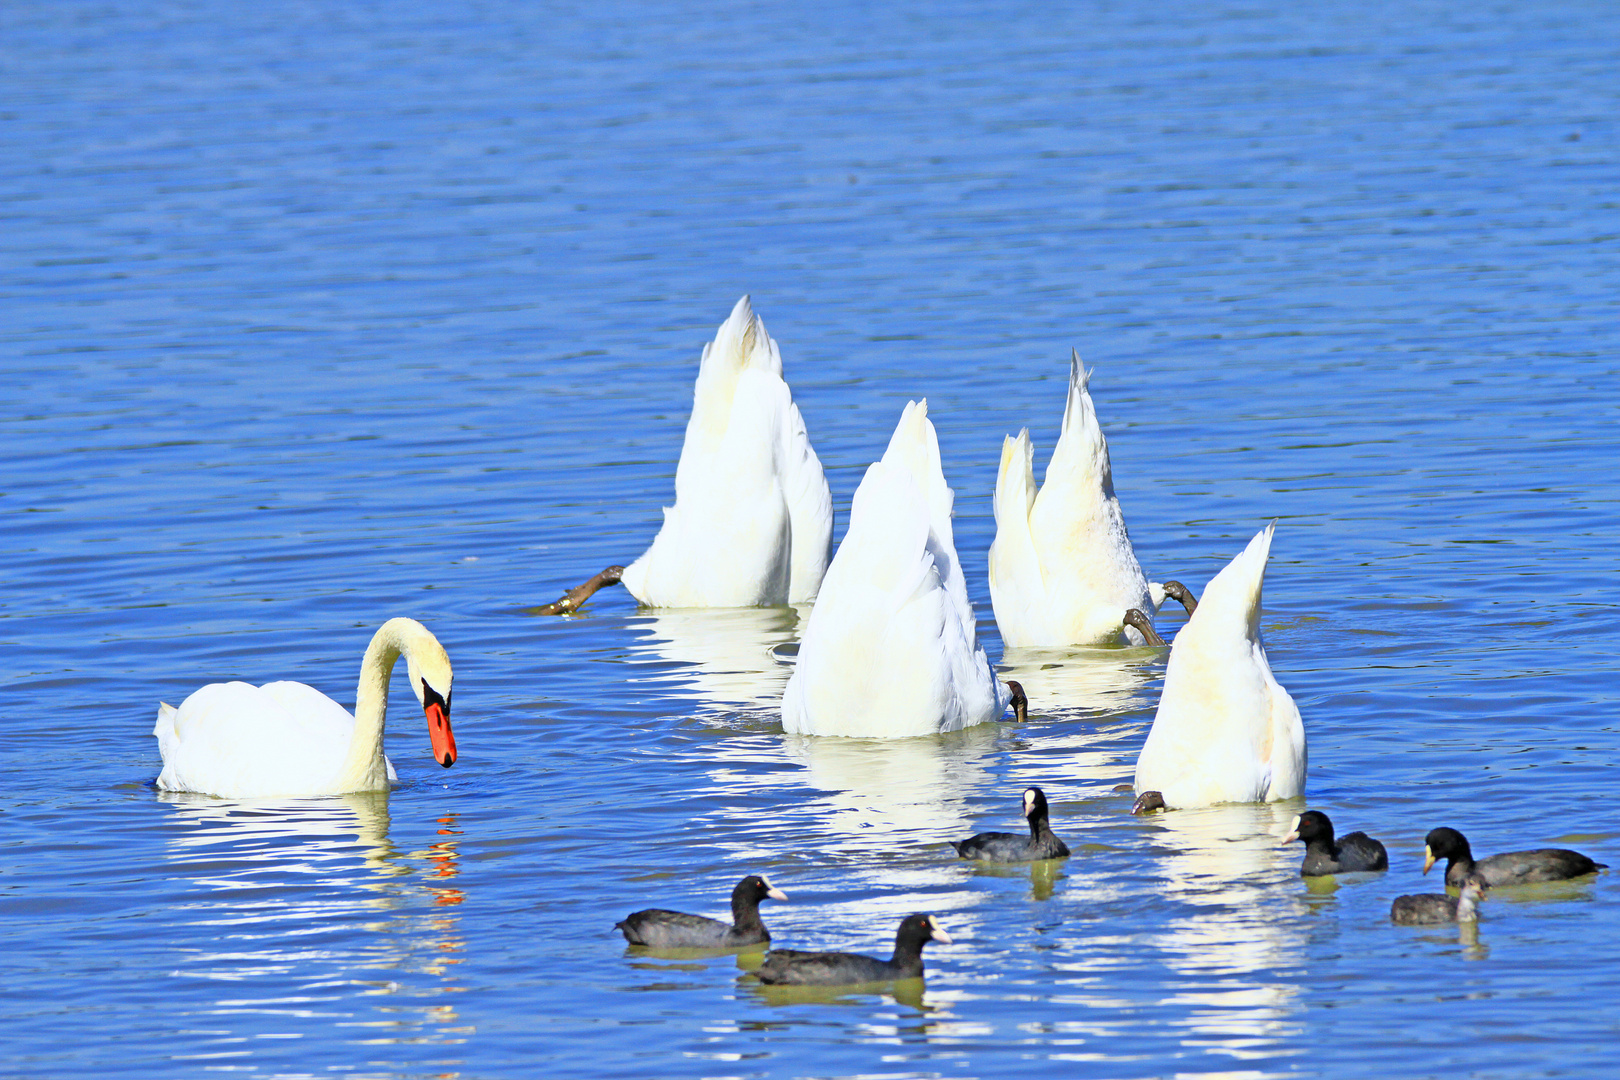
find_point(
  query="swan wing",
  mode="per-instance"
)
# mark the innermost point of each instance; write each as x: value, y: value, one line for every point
x: 1289, y: 758
x: 747, y: 474
x: 1225, y: 730
x: 1078, y: 529
x: 1017, y: 588
x: 890, y: 649
x: 810, y: 513
x: 242, y: 741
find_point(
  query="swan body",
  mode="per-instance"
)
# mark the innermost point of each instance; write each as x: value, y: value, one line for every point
x: 242, y: 741
x: 1226, y: 730
x: 1062, y: 571
x: 752, y: 520
x: 891, y: 649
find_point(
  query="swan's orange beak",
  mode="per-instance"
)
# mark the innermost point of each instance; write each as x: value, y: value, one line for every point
x: 444, y: 740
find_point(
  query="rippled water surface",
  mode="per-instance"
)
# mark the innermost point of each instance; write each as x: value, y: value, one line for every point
x: 315, y: 314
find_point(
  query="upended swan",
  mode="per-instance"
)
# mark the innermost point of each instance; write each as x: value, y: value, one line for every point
x: 242, y: 741
x: 752, y: 520
x: 891, y: 650
x: 1226, y: 730
x: 1062, y: 571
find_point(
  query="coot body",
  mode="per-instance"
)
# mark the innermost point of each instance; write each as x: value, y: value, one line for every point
x: 661, y: 929
x: 789, y: 967
x: 1015, y: 847
x: 1324, y: 855
x: 1509, y: 868
x: 1432, y: 909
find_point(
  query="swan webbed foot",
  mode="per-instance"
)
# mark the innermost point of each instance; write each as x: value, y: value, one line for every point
x: 1147, y: 802
x: 1175, y: 590
x: 573, y: 598
x: 1019, y: 703
x: 1141, y: 622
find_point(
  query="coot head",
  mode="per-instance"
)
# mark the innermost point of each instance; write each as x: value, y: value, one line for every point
x: 755, y: 888
x: 920, y: 928
x: 1445, y: 843
x: 1034, y: 804
x: 1311, y: 825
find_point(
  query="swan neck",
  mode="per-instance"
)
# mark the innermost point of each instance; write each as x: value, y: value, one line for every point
x: 366, y: 766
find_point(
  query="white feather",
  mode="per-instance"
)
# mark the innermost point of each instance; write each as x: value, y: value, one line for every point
x: 752, y: 520
x: 1225, y: 730
x: 1062, y: 571
x: 891, y: 649
x: 242, y: 741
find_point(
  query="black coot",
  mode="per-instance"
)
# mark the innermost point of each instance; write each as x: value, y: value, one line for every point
x: 1512, y: 868
x: 1431, y: 908
x: 662, y: 929
x: 787, y: 967
x: 1324, y: 855
x: 1015, y: 847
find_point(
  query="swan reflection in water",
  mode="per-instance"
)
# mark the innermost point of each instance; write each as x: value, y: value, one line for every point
x: 271, y: 879
x: 887, y: 794
x: 1235, y: 930
x: 1102, y: 682
x: 722, y: 656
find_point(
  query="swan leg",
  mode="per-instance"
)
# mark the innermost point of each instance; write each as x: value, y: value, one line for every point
x: 1147, y: 802
x: 1142, y: 623
x: 1175, y: 590
x: 1019, y: 703
x: 570, y: 600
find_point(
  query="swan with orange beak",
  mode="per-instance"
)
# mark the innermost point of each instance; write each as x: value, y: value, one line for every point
x: 241, y: 741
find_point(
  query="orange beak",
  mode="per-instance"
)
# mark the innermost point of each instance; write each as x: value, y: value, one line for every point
x: 444, y: 740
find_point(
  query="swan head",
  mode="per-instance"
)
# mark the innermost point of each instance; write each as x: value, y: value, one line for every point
x: 428, y: 668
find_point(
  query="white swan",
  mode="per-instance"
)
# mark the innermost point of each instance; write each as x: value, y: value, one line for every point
x: 1062, y: 571
x: 1226, y: 731
x: 891, y: 650
x: 752, y: 520
x: 242, y: 741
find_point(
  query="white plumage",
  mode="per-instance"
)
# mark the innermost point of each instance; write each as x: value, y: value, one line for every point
x: 242, y: 741
x: 1226, y: 730
x: 1062, y: 571
x: 752, y: 520
x: 890, y: 649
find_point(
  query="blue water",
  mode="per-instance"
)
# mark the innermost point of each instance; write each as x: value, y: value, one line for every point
x: 311, y: 315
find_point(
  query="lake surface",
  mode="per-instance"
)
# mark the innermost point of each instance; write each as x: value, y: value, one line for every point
x: 312, y: 315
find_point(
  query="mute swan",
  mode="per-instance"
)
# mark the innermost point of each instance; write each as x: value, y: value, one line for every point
x: 752, y: 520
x: 1062, y: 571
x: 1226, y: 731
x: 242, y: 741
x: 890, y: 649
